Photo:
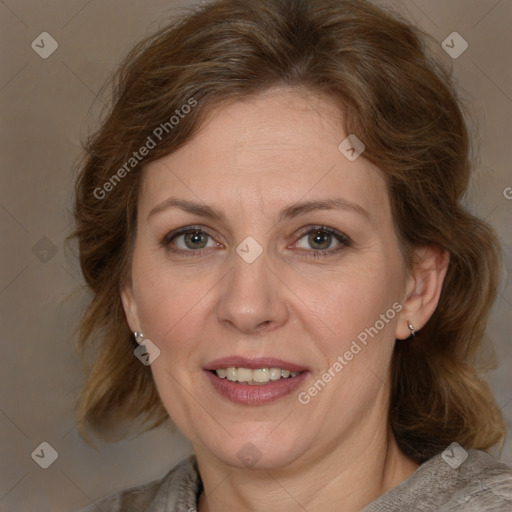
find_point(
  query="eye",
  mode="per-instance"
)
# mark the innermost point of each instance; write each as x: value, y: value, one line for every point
x: 190, y: 239
x: 193, y: 240
x: 320, y: 238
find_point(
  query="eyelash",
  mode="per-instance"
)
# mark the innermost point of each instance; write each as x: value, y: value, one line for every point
x: 343, y: 239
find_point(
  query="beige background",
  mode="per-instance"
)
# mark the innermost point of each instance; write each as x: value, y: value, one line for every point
x: 47, y: 107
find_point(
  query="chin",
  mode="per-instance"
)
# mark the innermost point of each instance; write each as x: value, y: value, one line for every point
x: 259, y: 451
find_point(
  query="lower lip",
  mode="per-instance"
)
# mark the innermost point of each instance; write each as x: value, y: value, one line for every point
x: 258, y: 394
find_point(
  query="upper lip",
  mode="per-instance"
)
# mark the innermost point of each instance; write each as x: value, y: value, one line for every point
x: 254, y: 363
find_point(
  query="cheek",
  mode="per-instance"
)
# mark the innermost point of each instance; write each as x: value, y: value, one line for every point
x: 354, y: 340
x: 345, y: 301
x: 167, y: 297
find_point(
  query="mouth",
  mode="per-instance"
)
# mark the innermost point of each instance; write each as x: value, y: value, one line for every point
x: 254, y: 381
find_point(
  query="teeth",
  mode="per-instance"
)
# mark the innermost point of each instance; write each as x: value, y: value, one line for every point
x: 244, y: 375
x: 259, y: 376
x: 275, y: 373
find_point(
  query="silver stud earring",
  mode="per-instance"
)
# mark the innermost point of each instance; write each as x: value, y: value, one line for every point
x: 138, y: 335
x: 411, y: 327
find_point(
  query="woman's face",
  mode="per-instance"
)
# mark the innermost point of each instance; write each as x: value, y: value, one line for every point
x: 273, y: 283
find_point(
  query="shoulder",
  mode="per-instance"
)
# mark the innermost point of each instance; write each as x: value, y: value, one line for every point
x: 481, y: 483
x: 176, y: 491
x: 455, y: 480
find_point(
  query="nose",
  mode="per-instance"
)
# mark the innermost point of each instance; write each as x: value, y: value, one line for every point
x: 252, y: 297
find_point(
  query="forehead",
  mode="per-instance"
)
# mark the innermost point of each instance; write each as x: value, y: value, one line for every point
x: 266, y: 151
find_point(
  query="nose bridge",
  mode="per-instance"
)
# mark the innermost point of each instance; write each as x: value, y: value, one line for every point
x: 250, y: 295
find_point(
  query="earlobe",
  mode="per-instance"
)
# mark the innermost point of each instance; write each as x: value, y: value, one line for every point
x: 130, y: 307
x: 423, y: 289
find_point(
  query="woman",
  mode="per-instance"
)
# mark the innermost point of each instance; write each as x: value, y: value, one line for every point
x: 269, y: 219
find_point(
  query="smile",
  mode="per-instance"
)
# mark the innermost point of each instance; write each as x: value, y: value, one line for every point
x: 254, y: 381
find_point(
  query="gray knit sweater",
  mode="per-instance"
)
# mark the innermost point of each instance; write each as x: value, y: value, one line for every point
x: 478, y: 484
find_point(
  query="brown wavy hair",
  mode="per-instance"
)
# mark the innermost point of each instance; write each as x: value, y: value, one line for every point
x: 399, y: 100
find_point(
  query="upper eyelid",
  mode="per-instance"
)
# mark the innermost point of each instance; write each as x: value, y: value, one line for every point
x: 187, y: 229
x: 341, y: 237
x: 299, y: 234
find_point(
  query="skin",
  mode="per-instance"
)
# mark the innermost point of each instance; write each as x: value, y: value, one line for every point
x: 251, y: 159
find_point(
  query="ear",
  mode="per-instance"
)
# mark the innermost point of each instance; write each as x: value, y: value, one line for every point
x: 423, y: 289
x: 130, y: 307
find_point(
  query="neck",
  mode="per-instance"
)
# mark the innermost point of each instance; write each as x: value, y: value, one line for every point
x: 344, y: 479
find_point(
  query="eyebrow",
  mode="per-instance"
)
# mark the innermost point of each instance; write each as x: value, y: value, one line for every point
x: 289, y: 212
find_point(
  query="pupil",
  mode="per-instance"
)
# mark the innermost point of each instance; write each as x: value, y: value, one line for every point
x: 314, y: 237
x: 194, y: 238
